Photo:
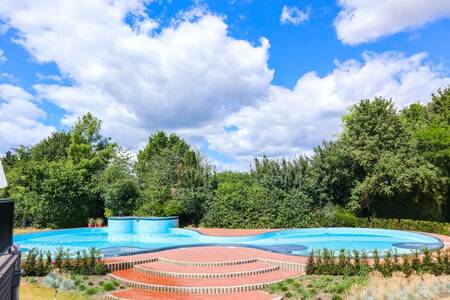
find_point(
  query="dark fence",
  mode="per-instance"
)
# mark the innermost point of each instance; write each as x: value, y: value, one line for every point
x: 9, y: 254
x: 6, y: 224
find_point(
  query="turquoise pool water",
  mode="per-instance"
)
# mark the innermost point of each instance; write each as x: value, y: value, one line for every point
x: 292, y: 241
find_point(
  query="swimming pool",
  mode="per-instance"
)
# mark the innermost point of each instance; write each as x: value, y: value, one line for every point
x: 291, y: 241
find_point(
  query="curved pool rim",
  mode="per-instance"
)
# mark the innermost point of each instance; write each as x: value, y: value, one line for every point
x: 438, y: 244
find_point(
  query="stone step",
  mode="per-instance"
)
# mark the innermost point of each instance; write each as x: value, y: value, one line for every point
x: 139, y: 294
x: 134, y: 279
x: 164, y: 269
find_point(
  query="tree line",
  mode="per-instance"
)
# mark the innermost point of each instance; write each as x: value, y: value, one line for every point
x: 386, y: 163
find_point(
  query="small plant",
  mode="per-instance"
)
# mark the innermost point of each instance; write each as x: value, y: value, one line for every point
x: 415, y: 262
x: 355, y: 263
x: 406, y: 266
x: 91, y: 222
x: 91, y: 291
x: 59, y: 258
x: 39, y: 263
x: 56, y: 281
x: 99, y: 222
x: 36, y: 263
x: 376, y: 259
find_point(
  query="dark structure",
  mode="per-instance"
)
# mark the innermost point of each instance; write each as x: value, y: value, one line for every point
x: 9, y: 254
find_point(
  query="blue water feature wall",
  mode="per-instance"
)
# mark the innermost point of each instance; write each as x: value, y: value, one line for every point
x: 141, y: 225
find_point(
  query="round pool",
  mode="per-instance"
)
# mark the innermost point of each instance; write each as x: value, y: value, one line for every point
x: 291, y: 241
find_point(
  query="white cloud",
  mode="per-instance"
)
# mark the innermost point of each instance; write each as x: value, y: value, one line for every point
x: 362, y: 21
x: 293, y: 15
x: 191, y: 77
x: 184, y: 76
x: 20, y: 118
x: 290, y: 122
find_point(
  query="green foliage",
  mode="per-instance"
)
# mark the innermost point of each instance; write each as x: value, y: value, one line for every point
x: 57, y: 281
x: 241, y: 202
x: 39, y: 263
x: 119, y: 186
x: 387, y: 169
x: 33, y: 263
x: 356, y: 263
x: 171, y: 176
x: 316, y: 287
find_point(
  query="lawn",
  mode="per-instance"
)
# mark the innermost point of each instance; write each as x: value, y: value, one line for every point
x: 34, y: 291
x: 77, y: 287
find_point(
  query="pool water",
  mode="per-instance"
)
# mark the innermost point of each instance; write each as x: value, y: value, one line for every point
x: 291, y: 241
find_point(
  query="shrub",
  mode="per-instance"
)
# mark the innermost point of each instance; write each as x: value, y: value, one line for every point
x: 356, y: 263
x: 407, y: 224
x: 56, y: 281
x: 39, y: 263
x: 336, y: 216
x: 36, y: 263
x: 91, y: 222
x: 99, y: 222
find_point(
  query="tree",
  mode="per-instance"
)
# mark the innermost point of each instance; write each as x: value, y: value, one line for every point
x: 332, y: 174
x: 62, y: 199
x: 369, y: 129
x: 402, y: 186
x: 52, y: 148
x: 119, y: 186
x: 172, y: 177
x: 393, y: 174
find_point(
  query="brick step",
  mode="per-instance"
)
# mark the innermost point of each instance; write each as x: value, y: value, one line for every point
x: 139, y: 294
x: 134, y: 279
x: 164, y: 269
x: 207, y: 263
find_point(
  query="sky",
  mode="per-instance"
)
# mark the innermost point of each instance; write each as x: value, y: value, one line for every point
x: 237, y: 79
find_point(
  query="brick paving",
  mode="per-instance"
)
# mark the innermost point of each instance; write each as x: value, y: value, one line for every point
x: 133, y: 275
x: 150, y: 295
x: 172, y: 268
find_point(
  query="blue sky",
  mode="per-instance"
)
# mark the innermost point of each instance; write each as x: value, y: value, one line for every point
x: 236, y: 78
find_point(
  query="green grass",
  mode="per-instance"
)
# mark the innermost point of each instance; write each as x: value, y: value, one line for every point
x: 33, y: 291
x: 92, y: 287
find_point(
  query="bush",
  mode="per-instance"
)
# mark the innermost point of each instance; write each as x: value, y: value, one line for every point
x: 356, y: 263
x: 39, y: 263
x: 56, y: 281
x: 336, y: 216
x: 34, y: 263
x: 412, y: 225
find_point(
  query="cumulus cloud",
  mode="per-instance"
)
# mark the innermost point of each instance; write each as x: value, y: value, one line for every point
x: 20, y: 118
x: 362, y: 21
x: 293, y: 15
x: 292, y: 121
x: 190, y: 77
x: 185, y: 75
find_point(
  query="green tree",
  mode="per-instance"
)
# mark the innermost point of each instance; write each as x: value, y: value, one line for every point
x: 62, y: 199
x: 332, y: 174
x: 174, y: 178
x: 392, y: 172
x: 119, y: 186
x: 53, y: 148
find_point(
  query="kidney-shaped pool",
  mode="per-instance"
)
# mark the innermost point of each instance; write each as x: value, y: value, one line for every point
x: 291, y: 241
